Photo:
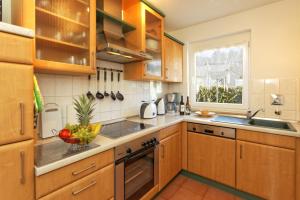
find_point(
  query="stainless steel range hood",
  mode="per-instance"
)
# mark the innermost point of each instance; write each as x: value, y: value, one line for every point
x: 111, y: 43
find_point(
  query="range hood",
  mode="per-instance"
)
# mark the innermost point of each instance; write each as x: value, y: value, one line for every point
x: 111, y: 43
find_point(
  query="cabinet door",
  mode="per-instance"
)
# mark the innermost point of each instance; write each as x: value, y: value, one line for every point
x: 65, y: 39
x: 169, y: 158
x: 16, y: 102
x: 212, y: 157
x: 266, y: 171
x: 99, y: 185
x: 173, y: 53
x: 17, y: 167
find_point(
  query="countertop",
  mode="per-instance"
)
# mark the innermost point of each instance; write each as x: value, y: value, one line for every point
x: 102, y: 143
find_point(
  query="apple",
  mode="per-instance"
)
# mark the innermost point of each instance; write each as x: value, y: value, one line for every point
x: 65, y: 133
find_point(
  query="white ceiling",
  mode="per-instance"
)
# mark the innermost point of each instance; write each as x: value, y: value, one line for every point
x: 184, y: 13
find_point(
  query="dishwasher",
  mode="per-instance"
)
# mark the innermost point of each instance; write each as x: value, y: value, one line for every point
x: 212, y: 152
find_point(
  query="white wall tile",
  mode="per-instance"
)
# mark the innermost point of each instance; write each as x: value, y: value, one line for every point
x: 63, y: 86
x: 288, y: 86
x: 47, y: 84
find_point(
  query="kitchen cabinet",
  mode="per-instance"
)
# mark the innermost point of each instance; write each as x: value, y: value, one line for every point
x: 16, y: 102
x: 17, y: 170
x: 148, y: 37
x: 71, y: 173
x: 169, y: 158
x: 65, y: 41
x: 265, y: 171
x: 212, y: 157
x: 173, y: 52
x: 98, y: 185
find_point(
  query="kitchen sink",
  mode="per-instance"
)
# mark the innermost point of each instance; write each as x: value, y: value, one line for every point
x: 281, y: 125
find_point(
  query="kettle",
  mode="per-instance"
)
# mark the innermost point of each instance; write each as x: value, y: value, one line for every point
x: 160, y: 103
x: 148, y: 110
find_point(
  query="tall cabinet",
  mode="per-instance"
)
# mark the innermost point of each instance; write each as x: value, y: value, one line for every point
x: 65, y: 36
x: 148, y: 38
x: 16, y: 117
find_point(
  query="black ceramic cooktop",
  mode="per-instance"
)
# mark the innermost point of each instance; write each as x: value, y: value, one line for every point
x: 122, y: 128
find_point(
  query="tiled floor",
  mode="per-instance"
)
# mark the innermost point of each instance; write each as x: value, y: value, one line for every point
x: 184, y: 188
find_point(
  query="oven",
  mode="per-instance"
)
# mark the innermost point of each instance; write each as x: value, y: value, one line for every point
x: 136, y: 169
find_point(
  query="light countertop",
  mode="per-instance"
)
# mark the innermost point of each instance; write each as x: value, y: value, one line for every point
x: 158, y: 123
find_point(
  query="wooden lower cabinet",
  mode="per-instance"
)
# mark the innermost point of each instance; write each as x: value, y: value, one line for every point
x: 169, y: 158
x: 266, y: 171
x: 16, y: 102
x: 96, y: 186
x: 17, y: 171
x: 212, y: 157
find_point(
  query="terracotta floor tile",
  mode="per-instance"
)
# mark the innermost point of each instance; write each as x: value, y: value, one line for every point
x: 215, y: 194
x: 159, y: 198
x: 195, y: 186
x: 185, y: 194
x: 169, y: 191
x: 180, y: 180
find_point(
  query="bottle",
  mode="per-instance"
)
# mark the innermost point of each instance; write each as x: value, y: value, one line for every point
x: 181, y: 107
x: 187, y: 106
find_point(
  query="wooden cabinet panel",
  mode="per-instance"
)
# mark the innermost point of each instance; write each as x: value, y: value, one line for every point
x: 16, y: 102
x: 56, y: 179
x: 267, y: 139
x: 99, y: 185
x: 169, y: 158
x: 173, y: 60
x: 17, y: 171
x: 212, y: 157
x: 166, y: 132
x: 266, y: 171
x: 15, y: 49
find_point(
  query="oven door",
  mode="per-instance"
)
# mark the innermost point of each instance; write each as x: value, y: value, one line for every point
x: 136, y: 175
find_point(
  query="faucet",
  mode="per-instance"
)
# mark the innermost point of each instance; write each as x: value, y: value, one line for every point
x: 250, y: 115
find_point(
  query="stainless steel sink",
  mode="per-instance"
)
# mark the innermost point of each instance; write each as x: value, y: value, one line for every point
x: 280, y: 125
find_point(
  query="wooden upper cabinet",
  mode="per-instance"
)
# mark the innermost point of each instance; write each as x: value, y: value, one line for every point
x: 65, y: 40
x: 16, y: 102
x: 169, y: 158
x: 212, y: 157
x: 173, y: 52
x: 265, y: 171
x: 17, y: 171
x: 148, y: 37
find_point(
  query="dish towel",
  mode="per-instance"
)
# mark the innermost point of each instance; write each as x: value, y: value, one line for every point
x: 38, y: 99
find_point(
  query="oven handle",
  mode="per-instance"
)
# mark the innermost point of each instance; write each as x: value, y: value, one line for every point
x: 140, y: 154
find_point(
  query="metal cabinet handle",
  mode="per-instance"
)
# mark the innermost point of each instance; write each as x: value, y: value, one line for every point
x: 84, y: 188
x: 163, y: 151
x: 22, y: 167
x: 22, y: 106
x: 75, y: 173
x: 241, y: 151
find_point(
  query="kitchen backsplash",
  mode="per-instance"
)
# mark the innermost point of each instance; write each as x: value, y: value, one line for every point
x: 61, y: 89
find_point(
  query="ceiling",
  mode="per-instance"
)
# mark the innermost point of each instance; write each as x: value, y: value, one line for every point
x: 184, y: 13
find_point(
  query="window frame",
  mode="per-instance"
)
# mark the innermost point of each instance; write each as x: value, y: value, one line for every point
x: 197, y: 47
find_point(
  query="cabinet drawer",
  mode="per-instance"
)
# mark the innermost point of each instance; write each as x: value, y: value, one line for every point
x: 267, y: 139
x: 15, y: 48
x: 166, y: 132
x: 56, y: 179
x: 99, y: 185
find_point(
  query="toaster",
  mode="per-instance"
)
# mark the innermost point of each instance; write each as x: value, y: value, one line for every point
x: 148, y: 110
x: 160, y: 103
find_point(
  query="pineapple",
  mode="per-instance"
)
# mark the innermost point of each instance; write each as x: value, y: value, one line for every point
x: 84, y: 108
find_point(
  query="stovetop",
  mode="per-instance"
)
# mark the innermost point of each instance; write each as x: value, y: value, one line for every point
x: 122, y: 128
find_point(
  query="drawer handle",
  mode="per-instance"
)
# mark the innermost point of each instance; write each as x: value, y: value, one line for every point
x: 163, y: 151
x: 241, y: 152
x: 84, y: 188
x: 22, y: 118
x: 22, y: 167
x: 83, y: 170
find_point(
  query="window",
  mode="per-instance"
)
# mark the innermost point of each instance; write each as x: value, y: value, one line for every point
x: 220, y: 73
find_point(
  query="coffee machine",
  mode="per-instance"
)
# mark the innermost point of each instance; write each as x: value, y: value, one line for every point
x: 171, y: 103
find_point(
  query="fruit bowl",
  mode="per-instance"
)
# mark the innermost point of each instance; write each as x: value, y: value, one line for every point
x: 80, y: 135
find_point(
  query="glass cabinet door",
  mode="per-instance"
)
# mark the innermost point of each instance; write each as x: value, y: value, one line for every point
x: 63, y: 31
x: 154, y: 32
